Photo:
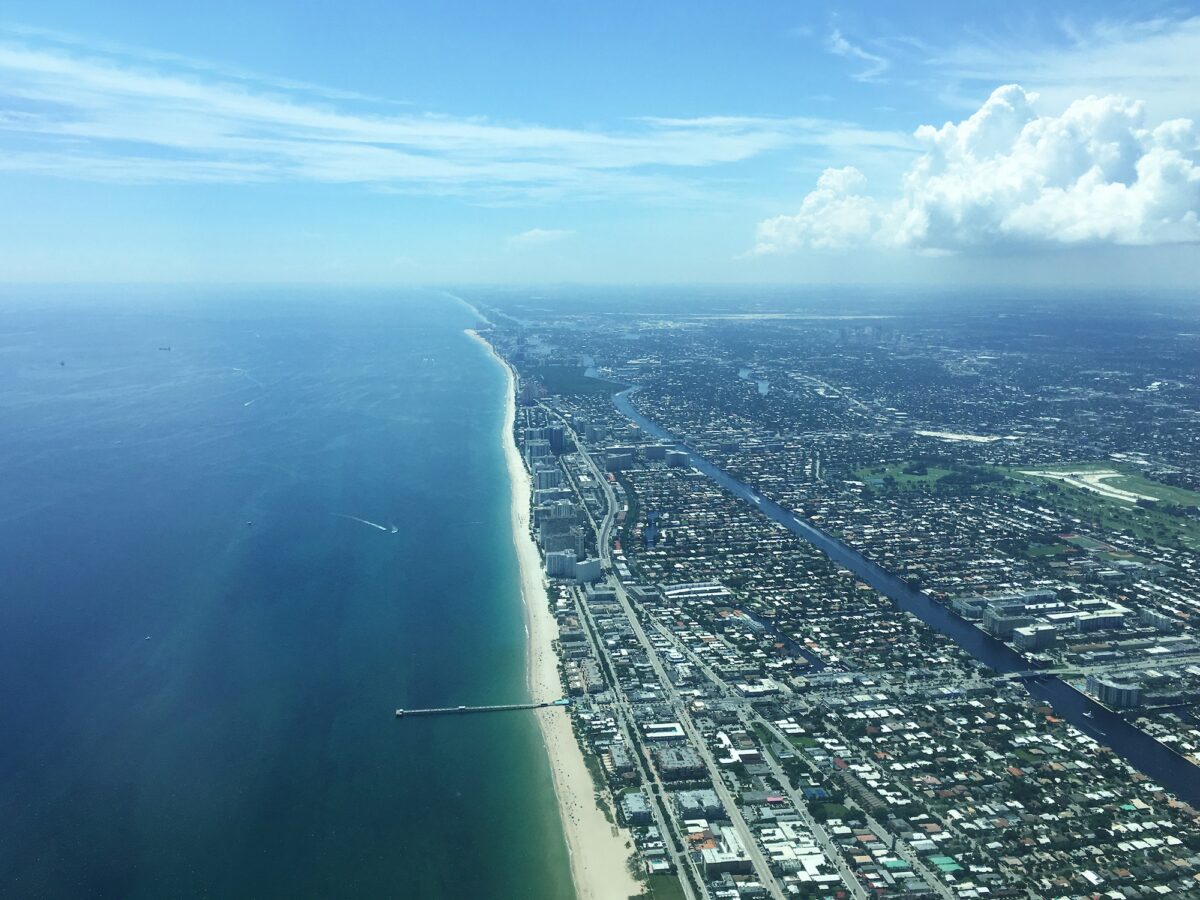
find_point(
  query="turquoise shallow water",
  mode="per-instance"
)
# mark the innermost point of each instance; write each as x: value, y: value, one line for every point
x: 247, y: 748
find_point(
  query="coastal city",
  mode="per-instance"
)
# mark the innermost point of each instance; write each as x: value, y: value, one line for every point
x: 600, y: 451
x: 872, y: 605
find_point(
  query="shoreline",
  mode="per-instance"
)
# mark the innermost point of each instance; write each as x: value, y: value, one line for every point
x: 599, y: 851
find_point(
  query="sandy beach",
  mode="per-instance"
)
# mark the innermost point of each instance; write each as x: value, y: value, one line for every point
x: 599, y: 851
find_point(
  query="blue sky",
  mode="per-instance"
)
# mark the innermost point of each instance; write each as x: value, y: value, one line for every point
x: 616, y: 142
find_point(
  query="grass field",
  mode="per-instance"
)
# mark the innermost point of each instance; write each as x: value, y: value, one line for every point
x: 1129, y: 480
x: 826, y: 811
x: 1163, y: 492
x: 665, y: 887
x: 801, y: 741
x: 1094, y: 510
x: 1037, y: 551
x: 571, y: 380
x: 1110, y: 514
x: 1078, y: 467
x: 903, y: 479
x: 1086, y: 543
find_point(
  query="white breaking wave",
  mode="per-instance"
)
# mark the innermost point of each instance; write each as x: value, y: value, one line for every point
x: 365, y: 522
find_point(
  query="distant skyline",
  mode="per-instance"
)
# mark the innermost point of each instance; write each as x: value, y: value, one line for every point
x: 544, y: 142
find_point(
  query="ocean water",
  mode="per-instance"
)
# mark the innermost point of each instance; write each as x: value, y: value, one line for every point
x: 200, y: 653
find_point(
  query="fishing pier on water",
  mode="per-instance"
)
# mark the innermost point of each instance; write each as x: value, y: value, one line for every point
x: 461, y: 710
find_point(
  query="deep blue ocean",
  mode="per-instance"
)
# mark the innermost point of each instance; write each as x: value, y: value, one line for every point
x: 201, y: 646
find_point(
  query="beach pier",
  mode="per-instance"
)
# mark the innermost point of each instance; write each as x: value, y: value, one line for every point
x: 462, y: 710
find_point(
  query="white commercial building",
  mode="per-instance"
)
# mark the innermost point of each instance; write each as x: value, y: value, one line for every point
x: 561, y: 564
x: 588, y: 570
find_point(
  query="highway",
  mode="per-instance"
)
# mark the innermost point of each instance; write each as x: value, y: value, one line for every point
x: 1124, y: 666
x: 628, y: 726
x: 686, y: 868
x: 749, y: 716
x: 761, y: 865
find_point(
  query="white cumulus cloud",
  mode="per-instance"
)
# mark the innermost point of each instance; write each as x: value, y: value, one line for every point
x: 834, y: 216
x: 1097, y: 173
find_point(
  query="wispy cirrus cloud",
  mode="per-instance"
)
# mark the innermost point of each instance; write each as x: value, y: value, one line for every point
x: 535, y: 236
x: 107, y: 113
x: 46, y: 36
x: 875, y: 65
x: 1153, y: 59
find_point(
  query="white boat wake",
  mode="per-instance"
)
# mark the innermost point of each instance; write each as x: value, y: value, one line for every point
x: 393, y: 529
x: 246, y: 374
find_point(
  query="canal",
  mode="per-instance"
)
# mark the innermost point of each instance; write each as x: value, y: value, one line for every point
x: 1159, y: 762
